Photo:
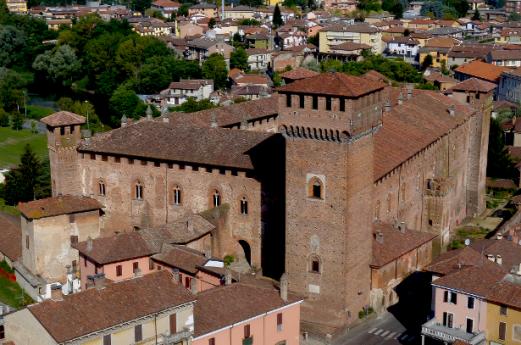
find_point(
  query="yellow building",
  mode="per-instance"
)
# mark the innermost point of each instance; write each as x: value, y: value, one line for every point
x: 438, y: 48
x: 147, y: 310
x: 504, y: 313
x: 358, y: 33
x: 17, y: 6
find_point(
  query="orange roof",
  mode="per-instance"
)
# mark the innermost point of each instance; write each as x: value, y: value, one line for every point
x: 482, y: 70
x: 441, y: 42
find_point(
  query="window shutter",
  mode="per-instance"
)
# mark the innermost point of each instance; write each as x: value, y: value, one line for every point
x: 502, y: 330
x: 247, y: 331
x: 138, y: 333
x: 107, y: 339
x: 211, y: 341
x: 445, y: 296
x: 173, y: 323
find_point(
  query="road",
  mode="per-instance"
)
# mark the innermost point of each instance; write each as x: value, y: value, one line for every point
x: 384, y: 330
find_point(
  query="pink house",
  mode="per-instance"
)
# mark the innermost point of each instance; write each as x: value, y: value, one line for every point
x: 241, y: 314
x: 459, y: 304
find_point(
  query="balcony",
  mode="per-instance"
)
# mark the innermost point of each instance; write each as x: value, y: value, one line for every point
x: 178, y: 337
x: 434, y: 329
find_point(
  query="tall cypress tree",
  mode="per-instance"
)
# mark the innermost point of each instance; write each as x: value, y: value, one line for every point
x: 277, y: 17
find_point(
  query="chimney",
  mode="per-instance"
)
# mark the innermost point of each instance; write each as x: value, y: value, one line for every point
x: 387, y: 106
x: 89, y: 244
x: 213, y: 123
x: 401, y: 227
x: 452, y: 110
x: 227, y: 277
x: 380, y: 237
x: 123, y: 121
x: 284, y: 287
x: 56, y: 293
x: 499, y: 236
x: 499, y: 260
x: 190, y: 225
x: 491, y: 257
x: 166, y: 119
x: 137, y: 273
x: 409, y: 91
x: 193, y: 286
x: 400, y: 98
x: 149, y: 113
x: 207, y: 254
x: 176, y: 275
x: 99, y: 281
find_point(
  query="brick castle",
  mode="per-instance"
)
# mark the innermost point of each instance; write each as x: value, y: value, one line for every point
x: 295, y: 183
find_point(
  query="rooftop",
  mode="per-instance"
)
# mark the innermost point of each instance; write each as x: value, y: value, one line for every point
x: 299, y: 73
x: 482, y: 70
x: 10, y: 237
x: 476, y: 280
x: 58, y: 205
x: 474, y: 84
x: 63, y: 118
x: 334, y: 84
x: 183, y: 258
x: 97, y: 309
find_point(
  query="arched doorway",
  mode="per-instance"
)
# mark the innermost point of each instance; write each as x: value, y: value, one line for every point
x: 247, y: 250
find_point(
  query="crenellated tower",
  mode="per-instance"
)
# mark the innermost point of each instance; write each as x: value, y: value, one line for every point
x: 63, y: 137
x: 329, y: 122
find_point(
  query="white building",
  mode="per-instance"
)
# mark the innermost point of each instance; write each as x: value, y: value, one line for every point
x: 178, y: 92
x: 258, y: 58
x: 405, y: 47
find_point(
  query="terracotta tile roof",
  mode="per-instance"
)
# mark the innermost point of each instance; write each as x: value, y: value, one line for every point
x: 476, y: 280
x: 166, y: 3
x: 514, y: 152
x: 474, y: 84
x: 183, y: 258
x: 505, y: 54
x: 10, y: 237
x: 120, y: 247
x: 213, y: 309
x: 481, y: 70
x: 514, y: 71
x: 510, y: 252
x: 334, y: 84
x: 254, y: 51
x: 441, y: 42
x: 252, y: 79
x: 404, y: 40
x: 58, y: 205
x: 230, y: 115
x: 506, y: 293
x: 193, y: 84
x: 501, y: 183
x: 441, y: 78
x: 178, y: 143
x: 94, y: 310
x: 376, y: 76
x: 453, y: 260
x: 299, y: 73
x: 63, y: 118
x: 396, y: 243
x: 358, y: 28
x: 422, y: 120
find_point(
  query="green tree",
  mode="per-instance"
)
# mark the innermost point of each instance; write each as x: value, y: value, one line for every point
x: 215, y: 68
x: 239, y: 59
x: 476, y: 15
x: 29, y: 181
x: 427, y: 62
x: 61, y: 66
x: 192, y: 105
x: 124, y: 101
x: 183, y: 10
x: 4, y: 118
x: 499, y: 165
x: 277, y: 17
x: 211, y: 23
x: 393, y: 6
x: 17, y: 121
x: 249, y: 22
x: 514, y: 17
x: 12, y: 43
x: 12, y: 85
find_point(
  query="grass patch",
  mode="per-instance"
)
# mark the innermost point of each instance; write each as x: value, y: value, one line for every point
x: 12, y: 144
x: 11, y: 294
x: 471, y: 232
x: 36, y: 112
x: 12, y: 210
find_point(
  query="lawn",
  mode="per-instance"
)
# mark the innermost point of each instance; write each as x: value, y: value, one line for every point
x: 36, y: 112
x: 11, y: 294
x: 12, y: 144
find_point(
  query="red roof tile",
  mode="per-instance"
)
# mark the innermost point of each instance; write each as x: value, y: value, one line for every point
x: 474, y: 84
x: 63, y: 118
x: 299, y: 73
x: 482, y: 70
x: 58, y: 205
x: 10, y: 237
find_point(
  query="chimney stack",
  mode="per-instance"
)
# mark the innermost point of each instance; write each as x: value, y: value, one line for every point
x: 123, y: 121
x: 56, y: 293
x: 227, y: 277
x: 400, y: 98
x: 189, y: 225
x: 193, y: 286
x: 89, y: 244
x: 452, y: 110
x: 499, y: 236
x: 491, y: 257
x: 401, y: 227
x: 379, y: 237
x: 99, y: 281
x: 166, y: 119
x: 387, y: 106
x: 213, y: 123
x: 137, y: 273
x: 284, y: 287
x: 409, y: 91
x: 176, y: 275
x: 499, y: 260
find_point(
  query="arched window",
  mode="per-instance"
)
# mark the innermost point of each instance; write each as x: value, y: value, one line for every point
x: 101, y: 188
x: 176, y: 197
x: 216, y: 198
x: 316, y: 189
x: 314, y: 264
x: 244, y: 205
x: 139, y: 191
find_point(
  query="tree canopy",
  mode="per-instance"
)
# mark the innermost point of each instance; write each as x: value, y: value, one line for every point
x: 277, y: 17
x: 239, y: 59
x: 215, y: 68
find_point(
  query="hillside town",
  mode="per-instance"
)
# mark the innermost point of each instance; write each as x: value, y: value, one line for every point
x: 249, y: 172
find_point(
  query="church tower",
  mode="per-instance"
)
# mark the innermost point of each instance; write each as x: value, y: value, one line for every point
x: 63, y: 137
x: 329, y: 122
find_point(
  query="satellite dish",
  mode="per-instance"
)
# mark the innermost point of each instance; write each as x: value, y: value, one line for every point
x: 467, y: 242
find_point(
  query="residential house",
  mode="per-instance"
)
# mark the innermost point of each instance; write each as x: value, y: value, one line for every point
x: 119, y: 257
x: 504, y: 310
x: 259, y: 314
x: 153, y: 309
x: 421, y: 24
x: 358, y: 33
x: 250, y: 92
x: 378, y: 17
x: 56, y: 24
x: 481, y: 70
x: 512, y: 6
x: 509, y: 36
x: 49, y: 227
x: 259, y: 40
x: 347, y: 51
x: 447, y: 31
x: 166, y: 7
x: 239, y: 12
x: 411, y: 251
x: 200, y: 49
x: 205, y: 9
x: 405, y: 47
x: 510, y: 86
x: 290, y: 38
x: 438, y: 48
x: 154, y: 27
x: 189, y: 29
x: 506, y: 57
x: 441, y: 81
x: 258, y: 59
x: 463, y: 53
x: 343, y: 6
x: 17, y: 6
x: 178, y: 92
